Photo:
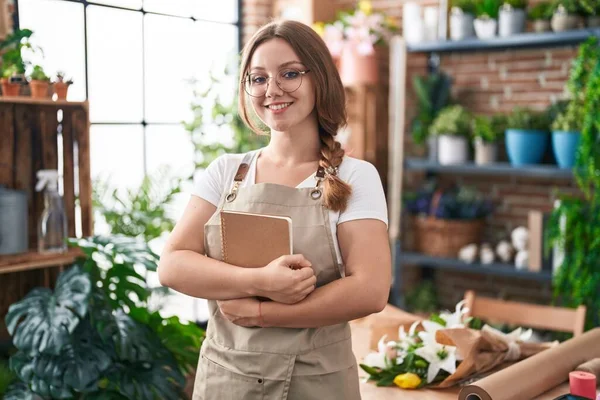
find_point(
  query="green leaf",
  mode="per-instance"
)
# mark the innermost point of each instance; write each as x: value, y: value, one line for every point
x: 370, y: 370
x: 18, y: 391
x: 42, y: 321
x: 77, y: 369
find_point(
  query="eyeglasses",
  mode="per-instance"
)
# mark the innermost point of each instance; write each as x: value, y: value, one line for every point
x: 288, y: 80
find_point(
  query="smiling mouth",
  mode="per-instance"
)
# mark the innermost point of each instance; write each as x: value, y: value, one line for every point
x: 277, y: 107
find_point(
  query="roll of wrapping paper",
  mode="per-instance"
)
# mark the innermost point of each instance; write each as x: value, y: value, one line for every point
x: 582, y: 384
x: 537, y: 374
x: 593, y: 367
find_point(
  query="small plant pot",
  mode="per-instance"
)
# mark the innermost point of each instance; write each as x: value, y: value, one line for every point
x: 541, y: 25
x: 461, y: 25
x: 452, y: 149
x: 432, y: 149
x: 10, y: 89
x: 564, y: 22
x: 593, y: 21
x: 39, y: 89
x: 61, y: 89
x: 525, y: 147
x: 564, y: 146
x: 356, y: 68
x: 485, y: 28
x: 485, y: 153
x: 511, y: 21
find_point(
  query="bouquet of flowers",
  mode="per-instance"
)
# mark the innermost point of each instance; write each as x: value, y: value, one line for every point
x: 360, y: 27
x: 444, y: 350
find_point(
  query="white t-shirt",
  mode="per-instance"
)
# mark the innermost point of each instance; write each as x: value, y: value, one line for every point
x: 366, y: 202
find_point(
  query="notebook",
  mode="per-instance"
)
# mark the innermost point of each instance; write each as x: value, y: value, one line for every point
x: 254, y: 240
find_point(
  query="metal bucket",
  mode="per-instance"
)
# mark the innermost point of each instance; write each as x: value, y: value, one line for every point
x: 13, y: 221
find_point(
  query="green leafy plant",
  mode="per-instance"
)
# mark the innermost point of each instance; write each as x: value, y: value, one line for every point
x: 6, y: 377
x: 572, y: 7
x: 541, y: 11
x: 38, y: 74
x: 61, y: 76
x: 527, y: 119
x: 487, y: 129
x: 10, y: 47
x: 423, y: 298
x: 140, y: 212
x: 433, y: 94
x: 519, y: 4
x: 212, y: 112
x: 571, y: 120
x: 590, y: 7
x: 467, y: 6
x: 453, y: 120
x: 574, y: 225
x: 95, y: 335
x: 488, y: 8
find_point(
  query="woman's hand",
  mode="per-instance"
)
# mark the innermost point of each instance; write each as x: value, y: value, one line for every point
x: 243, y: 312
x: 287, y: 279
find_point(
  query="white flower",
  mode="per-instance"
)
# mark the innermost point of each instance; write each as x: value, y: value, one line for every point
x: 438, y: 356
x: 376, y: 360
x: 455, y: 319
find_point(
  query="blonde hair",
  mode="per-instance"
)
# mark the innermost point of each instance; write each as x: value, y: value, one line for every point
x: 330, y: 99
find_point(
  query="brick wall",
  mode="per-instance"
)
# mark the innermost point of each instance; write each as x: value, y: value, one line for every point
x: 487, y: 82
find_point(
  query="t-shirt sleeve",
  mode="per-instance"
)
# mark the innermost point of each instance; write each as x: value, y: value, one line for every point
x: 209, y: 184
x: 367, y: 200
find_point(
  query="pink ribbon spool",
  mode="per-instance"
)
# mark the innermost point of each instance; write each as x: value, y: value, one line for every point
x: 582, y: 384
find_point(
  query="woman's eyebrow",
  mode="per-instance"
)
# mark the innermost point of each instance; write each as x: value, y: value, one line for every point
x: 285, y: 64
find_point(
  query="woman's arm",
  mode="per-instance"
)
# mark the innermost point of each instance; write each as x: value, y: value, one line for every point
x: 184, y: 267
x: 365, y: 248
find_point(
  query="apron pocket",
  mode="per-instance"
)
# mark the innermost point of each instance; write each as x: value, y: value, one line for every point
x: 222, y: 384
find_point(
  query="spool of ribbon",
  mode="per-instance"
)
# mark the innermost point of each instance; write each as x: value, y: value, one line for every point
x: 582, y: 384
x: 593, y: 367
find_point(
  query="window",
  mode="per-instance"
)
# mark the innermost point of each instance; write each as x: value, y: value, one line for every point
x: 134, y: 60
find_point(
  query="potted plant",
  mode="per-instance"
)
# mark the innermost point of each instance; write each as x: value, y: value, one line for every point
x: 453, y: 127
x: 61, y: 85
x: 462, y: 15
x: 433, y: 94
x: 541, y: 14
x: 566, y: 134
x: 13, y: 65
x: 512, y: 17
x: 96, y: 335
x: 526, y: 136
x: 10, y: 73
x: 486, y: 23
x: 447, y: 219
x: 39, y: 82
x: 353, y: 38
x: 566, y: 15
x: 591, y: 9
x: 487, y: 131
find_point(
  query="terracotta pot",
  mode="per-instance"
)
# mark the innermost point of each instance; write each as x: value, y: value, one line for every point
x: 356, y: 68
x: 10, y: 89
x: 39, y: 89
x: 61, y: 89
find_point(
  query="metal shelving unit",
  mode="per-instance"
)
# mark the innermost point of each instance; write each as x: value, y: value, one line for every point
x: 399, y: 52
x: 515, y: 42
x: 495, y: 169
x: 495, y: 269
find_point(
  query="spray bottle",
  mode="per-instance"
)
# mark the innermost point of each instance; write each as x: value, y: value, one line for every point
x: 52, y: 227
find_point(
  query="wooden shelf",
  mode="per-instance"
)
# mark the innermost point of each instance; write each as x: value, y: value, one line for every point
x: 519, y: 41
x: 42, y: 102
x: 497, y: 169
x: 35, y: 260
x: 497, y: 269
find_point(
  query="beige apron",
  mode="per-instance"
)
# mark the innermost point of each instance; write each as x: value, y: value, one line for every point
x: 278, y: 363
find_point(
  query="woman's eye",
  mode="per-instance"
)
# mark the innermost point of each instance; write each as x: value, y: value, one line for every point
x: 290, y: 74
x: 258, y: 80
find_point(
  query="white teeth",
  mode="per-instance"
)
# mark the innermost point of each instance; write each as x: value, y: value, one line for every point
x: 279, y: 106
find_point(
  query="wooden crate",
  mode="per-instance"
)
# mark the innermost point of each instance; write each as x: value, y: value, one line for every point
x: 29, y: 130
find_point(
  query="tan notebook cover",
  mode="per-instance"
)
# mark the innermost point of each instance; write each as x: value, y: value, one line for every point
x: 254, y: 240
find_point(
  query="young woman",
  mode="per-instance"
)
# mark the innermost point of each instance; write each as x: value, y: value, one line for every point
x: 298, y: 345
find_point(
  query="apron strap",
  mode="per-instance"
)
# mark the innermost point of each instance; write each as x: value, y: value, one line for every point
x: 240, y: 175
